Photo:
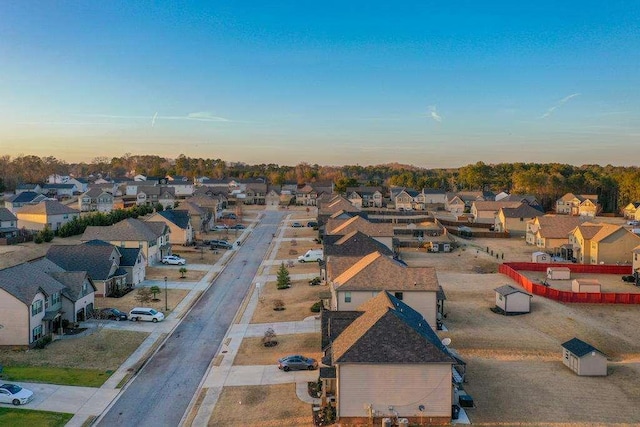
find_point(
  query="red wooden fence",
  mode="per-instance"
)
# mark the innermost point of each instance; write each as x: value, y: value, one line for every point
x: 510, y: 269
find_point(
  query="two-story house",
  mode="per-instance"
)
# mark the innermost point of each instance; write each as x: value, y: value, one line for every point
x: 603, y: 244
x: 179, y: 222
x: 48, y: 212
x: 96, y: 200
x: 578, y: 205
x: 365, y: 197
x: 514, y: 220
x: 18, y: 200
x: 8, y: 223
x: 380, y: 231
x: 551, y: 232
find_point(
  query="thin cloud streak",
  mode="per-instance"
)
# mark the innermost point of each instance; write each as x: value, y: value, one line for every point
x: 153, y: 121
x: 201, y: 116
x: 433, y: 113
x: 558, y: 105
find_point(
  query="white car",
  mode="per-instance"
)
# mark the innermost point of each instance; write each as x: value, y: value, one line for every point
x: 147, y: 314
x: 220, y: 227
x: 174, y: 260
x: 11, y: 393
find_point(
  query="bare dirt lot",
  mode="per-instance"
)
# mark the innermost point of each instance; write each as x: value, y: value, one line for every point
x: 292, y: 249
x: 261, y: 406
x: 252, y: 352
x: 172, y: 273
x: 608, y: 282
x: 198, y: 255
x: 127, y: 302
x: 514, y: 366
x: 297, y: 302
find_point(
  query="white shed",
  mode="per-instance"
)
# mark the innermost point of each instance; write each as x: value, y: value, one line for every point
x: 583, y: 358
x: 540, y: 257
x: 512, y: 300
x: 585, y: 285
x: 558, y: 273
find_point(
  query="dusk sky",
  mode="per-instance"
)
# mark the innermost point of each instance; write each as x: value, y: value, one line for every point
x: 425, y: 83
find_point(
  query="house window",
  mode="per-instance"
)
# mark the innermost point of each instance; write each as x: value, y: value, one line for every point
x: 398, y: 295
x: 55, y: 298
x: 36, y: 333
x: 566, y: 354
x: 36, y: 307
x: 347, y: 297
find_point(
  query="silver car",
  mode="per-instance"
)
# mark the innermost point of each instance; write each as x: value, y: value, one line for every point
x: 297, y: 362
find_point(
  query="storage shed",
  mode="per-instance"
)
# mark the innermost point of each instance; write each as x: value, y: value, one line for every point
x: 583, y: 358
x: 558, y: 273
x: 585, y: 285
x: 540, y: 257
x: 511, y: 300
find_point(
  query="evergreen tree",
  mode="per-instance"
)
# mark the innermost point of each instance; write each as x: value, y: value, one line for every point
x: 284, y: 281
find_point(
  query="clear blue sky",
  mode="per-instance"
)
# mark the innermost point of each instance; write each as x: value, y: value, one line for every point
x: 422, y: 82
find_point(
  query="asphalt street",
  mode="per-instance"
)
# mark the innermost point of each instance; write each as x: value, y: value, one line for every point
x: 163, y: 389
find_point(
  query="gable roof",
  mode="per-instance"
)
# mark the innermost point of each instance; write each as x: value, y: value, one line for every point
x: 129, y: 256
x: 357, y: 223
x: 557, y: 226
x: 488, y: 205
x: 508, y: 290
x: 94, y: 257
x: 130, y: 229
x: 579, y: 347
x: 581, y: 197
x: 336, y: 204
x: 24, y: 281
x: 7, y: 215
x: 47, y: 207
x: 73, y: 282
x: 356, y: 243
x: 390, y: 332
x: 94, y: 192
x: 59, y: 186
x: 178, y: 217
x: 377, y: 272
x: 24, y: 197
x: 522, y: 211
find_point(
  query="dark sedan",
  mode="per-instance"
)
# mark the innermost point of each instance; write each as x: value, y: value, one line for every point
x: 297, y: 362
x: 112, y: 314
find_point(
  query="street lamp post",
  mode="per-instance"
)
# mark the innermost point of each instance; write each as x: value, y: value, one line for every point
x: 166, y: 307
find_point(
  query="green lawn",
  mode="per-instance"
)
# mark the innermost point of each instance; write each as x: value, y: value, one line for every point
x: 28, y: 418
x: 52, y: 375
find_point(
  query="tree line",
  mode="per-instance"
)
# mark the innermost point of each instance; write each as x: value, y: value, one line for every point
x: 615, y: 186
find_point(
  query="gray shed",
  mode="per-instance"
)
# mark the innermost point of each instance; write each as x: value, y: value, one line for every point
x: 583, y: 358
x: 512, y: 300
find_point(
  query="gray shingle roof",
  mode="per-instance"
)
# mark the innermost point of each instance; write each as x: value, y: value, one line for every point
x: 508, y: 290
x: 74, y: 281
x: 48, y: 207
x: 6, y: 215
x: 178, y: 217
x: 25, y: 280
x: 94, y: 257
x: 129, y: 256
x: 130, y: 229
x: 355, y: 243
x: 24, y: 197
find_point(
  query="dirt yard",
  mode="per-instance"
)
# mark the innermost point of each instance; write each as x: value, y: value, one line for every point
x: 302, y: 232
x: 608, y: 282
x: 297, y: 302
x: 261, y: 406
x: 514, y: 365
x: 292, y: 249
x: 252, y: 352
x: 104, y: 349
x: 194, y: 255
x: 172, y: 273
x: 127, y: 302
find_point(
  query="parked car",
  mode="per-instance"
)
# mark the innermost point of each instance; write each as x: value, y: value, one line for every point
x: 296, y: 225
x: 297, y: 362
x: 146, y: 314
x: 12, y: 393
x: 229, y: 216
x: 312, y: 224
x: 220, y: 227
x: 173, y: 260
x: 220, y: 244
x: 112, y: 314
x: 237, y: 227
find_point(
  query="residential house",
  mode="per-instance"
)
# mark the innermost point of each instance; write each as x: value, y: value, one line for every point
x: 59, y: 191
x: 152, y: 237
x: 368, y: 275
x: 336, y: 204
x: 365, y: 197
x: 603, y: 243
x: 49, y: 213
x: 182, y: 186
x: 21, y: 188
x: 306, y: 195
x: 404, y: 200
x: 629, y: 211
x: 354, y: 244
x: 30, y: 302
x: 583, y: 358
x: 96, y: 200
x: 82, y: 184
x: 468, y: 197
x: 179, y: 222
x: 256, y: 193
x: 578, y: 204
x: 58, y: 179
x: 100, y: 259
x: 8, y: 223
x: 380, y: 231
x: 152, y: 195
x: 386, y: 361
x: 78, y: 295
x: 431, y: 196
x: 212, y: 203
x: 551, y: 232
x: 454, y: 204
x: 18, y: 200
x: 201, y: 219
x: 486, y: 212
x: 514, y: 220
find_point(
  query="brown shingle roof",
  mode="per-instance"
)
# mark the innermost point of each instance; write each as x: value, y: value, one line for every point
x: 495, y: 206
x: 337, y: 204
x: 129, y: 229
x: 557, y: 226
x: 47, y: 207
x: 377, y: 272
x: 357, y: 223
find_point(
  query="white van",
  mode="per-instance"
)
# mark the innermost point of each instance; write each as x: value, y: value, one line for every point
x: 312, y: 255
x: 147, y: 314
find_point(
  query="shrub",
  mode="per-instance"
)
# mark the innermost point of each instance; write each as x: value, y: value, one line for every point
x: 284, y: 281
x: 144, y: 296
x: 182, y: 271
x: 317, y: 307
x: 278, y: 305
x: 38, y: 239
x: 269, y: 338
x: 42, y: 342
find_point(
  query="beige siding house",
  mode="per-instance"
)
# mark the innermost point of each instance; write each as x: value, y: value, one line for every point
x: 386, y: 361
x: 603, y: 244
x: 373, y: 273
x: 578, y: 204
x: 550, y: 232
x: 514, y: 220
x: 179, y: 223
x: 583, y: 358
x: 486, y: 212
x: 46, y: 213
x: 151, y: 237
